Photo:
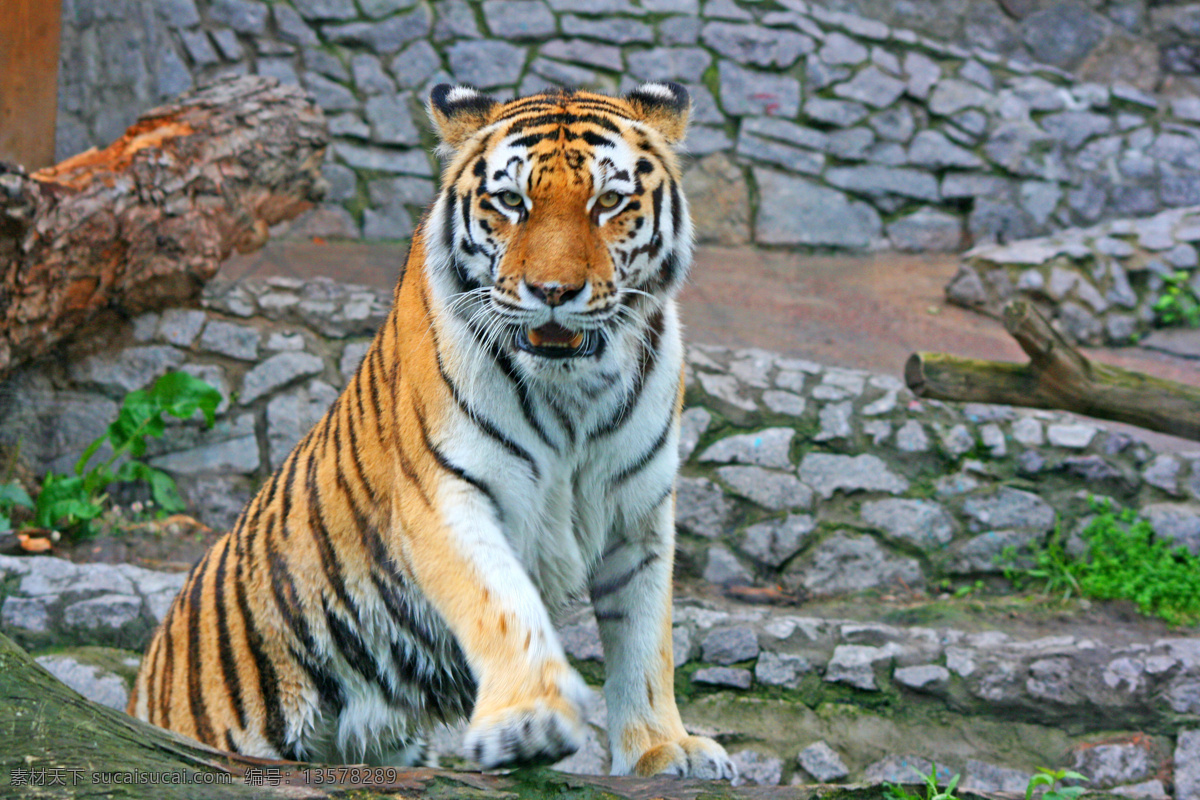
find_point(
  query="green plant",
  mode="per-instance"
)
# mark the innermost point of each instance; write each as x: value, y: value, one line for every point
x: 1048, y: 778
x: 1178, y: 304
x: 12, y: 494
x: 71, y: 502
x: 894, y: 791
x: 1124, y: 561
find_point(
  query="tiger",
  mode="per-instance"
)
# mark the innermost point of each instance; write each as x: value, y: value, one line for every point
x: 507, y: 447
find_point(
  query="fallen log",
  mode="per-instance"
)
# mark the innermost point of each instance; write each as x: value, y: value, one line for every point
x: 146, y: 221
x: 1057, y: 376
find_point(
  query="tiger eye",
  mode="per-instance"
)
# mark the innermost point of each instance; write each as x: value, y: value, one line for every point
x: 512, y: 199
x: 609, y: 199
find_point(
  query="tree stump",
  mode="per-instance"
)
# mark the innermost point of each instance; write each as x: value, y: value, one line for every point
x: 146, y: 221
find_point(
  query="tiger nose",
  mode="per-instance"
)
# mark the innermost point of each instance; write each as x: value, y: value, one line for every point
x: 554, y: 294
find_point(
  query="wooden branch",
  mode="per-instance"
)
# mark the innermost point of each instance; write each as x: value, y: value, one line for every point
x: 146, y: 221
x: 1057, y: 376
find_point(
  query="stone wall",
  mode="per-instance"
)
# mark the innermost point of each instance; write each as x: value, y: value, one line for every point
x: 812, y: 127
x: 823, y: 480
x: 1139, y: 43
x: 1100, y: 284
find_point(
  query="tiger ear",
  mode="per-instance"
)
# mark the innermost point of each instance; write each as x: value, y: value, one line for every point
x: 664, y: 106
x: 458, y: 111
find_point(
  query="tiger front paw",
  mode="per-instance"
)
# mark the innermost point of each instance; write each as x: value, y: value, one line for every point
x: 689, y: 757
x: 540, y: 731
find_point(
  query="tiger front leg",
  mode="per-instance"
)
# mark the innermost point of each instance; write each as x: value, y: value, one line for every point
x: 631, y: 594
x: 530, y: 704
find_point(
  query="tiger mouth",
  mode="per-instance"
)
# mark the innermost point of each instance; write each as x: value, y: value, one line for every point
x: 555, y: 341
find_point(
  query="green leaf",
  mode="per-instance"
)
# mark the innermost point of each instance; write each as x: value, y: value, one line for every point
x: 5, y: 523
x: 162, y: 485
x: 14, y: 494
x: 63, y: 502
x: 181, y: 395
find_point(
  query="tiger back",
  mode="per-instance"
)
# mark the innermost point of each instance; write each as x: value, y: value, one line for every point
x: 508, y: 446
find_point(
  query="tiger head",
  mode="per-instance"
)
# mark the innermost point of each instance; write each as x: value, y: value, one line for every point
x: 561, y: 227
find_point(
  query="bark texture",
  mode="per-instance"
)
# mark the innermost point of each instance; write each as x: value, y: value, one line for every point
x: 145, y: 222
x: 1057, y: 376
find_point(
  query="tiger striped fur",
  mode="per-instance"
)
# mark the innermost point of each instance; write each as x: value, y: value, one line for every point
x: 508, y: 444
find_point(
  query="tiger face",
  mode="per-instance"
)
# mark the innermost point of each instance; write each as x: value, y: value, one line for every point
x: 562, y: 226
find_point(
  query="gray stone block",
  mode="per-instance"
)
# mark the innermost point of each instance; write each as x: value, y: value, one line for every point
x: 724, y: 569
x: 108, y: 612
x: 276, y: 372
x: 748, y: 92
x: 292, y: 27
x: 752, y: 44
x: 1187, y: 765
x: 125, y: 370
x: 797, y: 211
x: 614, y: 30
x: 843, y: 564
x: 486, y: 64
x: 181, y: 326
x: 834, y: 112
x: 369, y: 76
x: 872, y: 87
x: 326, y: 9
x: 685, y: 64
x: 877, y: 181
x: 791, y: 158
x: 580, y: 51
x: 927, y: 230
x: 383, y: 37
x: 96, y: 684
x: 290, y: 416
x: 777, y: 491
x: 230, y: 339
x: 776, y: 540
x: 823, y: 763
x: 727, y: 646
x: 244, y: 16
x: 951, y: 96
x: 723, y: 676
x: 1177, y: 522
x: 828, y: 473
x: 701, y: 507
x: 415, y: 65
x: 765, y: 448
x: 1009, y: 508
x: 924, y: 678
x: 519, y: 19
x: 328, y: 94
x: 839, y: 49
x: 753, y: 768
x: 924, y: 523
x: 780, y: 669
x: 392, y: 120
x: 931, y: 148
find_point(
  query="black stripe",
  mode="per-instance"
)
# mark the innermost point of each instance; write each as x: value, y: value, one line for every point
x: 285, y: 502
x: 197, y: 704
x: 233, y: 684
x: 274, y: 726
x: 647, y: 361
x: 320, y: 533
x: 676, y: 209
x: 602, y: 590
x: 560, y: 119
x: 357, y: 655
x: 643, y: 460
x: 482, y: 422
x: 453, y: 468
